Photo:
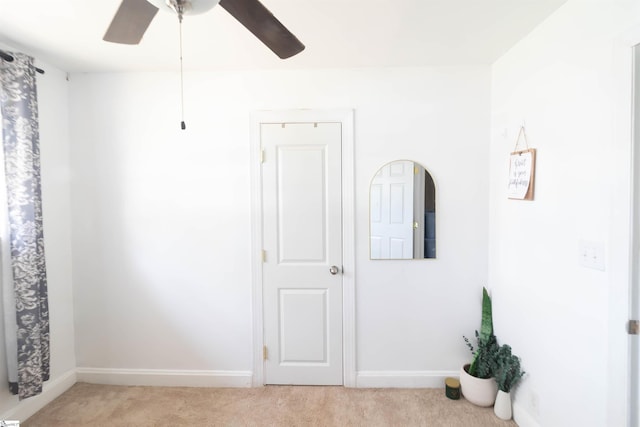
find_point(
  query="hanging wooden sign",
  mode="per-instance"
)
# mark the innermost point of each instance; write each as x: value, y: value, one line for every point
x: 522, y: 167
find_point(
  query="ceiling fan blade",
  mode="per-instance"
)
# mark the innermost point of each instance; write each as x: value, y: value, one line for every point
x: 253, y: 15
x: 130, y: 22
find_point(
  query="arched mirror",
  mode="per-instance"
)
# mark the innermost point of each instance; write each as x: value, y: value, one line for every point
x: 402, y: 212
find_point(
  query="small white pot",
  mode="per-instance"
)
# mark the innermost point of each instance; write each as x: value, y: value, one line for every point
x: 502, y: 408
x: 479, y: 391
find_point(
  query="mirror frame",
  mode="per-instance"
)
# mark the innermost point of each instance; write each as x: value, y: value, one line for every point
x: 425, y: 227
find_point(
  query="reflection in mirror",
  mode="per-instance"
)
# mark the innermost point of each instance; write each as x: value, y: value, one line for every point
x: 402, y: 208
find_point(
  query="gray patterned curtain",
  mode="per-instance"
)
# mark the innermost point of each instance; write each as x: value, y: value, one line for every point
x: 21, y: 145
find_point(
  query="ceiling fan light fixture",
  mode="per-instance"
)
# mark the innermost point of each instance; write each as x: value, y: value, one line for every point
x: 189, y: 7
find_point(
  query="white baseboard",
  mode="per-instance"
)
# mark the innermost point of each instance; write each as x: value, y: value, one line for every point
x: 403, y: 379
x: 522, y: 417
x: 166, y: 378
x: 50, y: 390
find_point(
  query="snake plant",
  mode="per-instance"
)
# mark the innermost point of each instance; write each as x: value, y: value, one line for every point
x: 484, y: 362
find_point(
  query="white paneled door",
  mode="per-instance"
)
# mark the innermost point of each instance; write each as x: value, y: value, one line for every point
x: 302, y: 238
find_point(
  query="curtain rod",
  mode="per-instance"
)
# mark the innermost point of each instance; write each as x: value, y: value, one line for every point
x: 4, y: 55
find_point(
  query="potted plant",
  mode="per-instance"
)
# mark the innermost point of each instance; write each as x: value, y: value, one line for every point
x: 476, y: 379
x: 508, y: 373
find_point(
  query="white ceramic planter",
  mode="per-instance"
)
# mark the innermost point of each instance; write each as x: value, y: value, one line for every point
x: 502, y: 408
x: 479, y: 391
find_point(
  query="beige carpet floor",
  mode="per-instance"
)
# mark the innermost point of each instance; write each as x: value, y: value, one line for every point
x: 105, y: 405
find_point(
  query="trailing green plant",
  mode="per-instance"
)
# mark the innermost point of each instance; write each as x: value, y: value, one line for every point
x: 485, y: 356
x: 508, y: 371
x: 485, y: 353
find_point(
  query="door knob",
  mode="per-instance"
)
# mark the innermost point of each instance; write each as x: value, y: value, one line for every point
x: 334, y: 270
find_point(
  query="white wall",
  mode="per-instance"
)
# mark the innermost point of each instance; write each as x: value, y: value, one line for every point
x: 161, y: 217
x: 54, y: 146
x: 560, y: 317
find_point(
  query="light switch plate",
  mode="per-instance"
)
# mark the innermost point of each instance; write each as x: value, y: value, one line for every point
x: 591, y: 254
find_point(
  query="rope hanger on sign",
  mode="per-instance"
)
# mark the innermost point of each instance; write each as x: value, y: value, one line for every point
x: 522, y: 133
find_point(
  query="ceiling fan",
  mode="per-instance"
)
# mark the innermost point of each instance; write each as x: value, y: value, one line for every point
x: 134, y: 16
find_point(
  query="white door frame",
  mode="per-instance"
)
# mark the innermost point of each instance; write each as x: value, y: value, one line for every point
x: 619, y: 396
x: 345, y: 117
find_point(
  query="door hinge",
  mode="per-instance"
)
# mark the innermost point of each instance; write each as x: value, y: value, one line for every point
x: 262, y: 156
x: 265, y: 352
x: 633, y: 327
x: 264, y: 256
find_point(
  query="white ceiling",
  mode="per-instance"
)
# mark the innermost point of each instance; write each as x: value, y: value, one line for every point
x: 337, y: 33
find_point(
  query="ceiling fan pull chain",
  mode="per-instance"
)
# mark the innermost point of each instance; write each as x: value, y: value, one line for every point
x: 183, y: 126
